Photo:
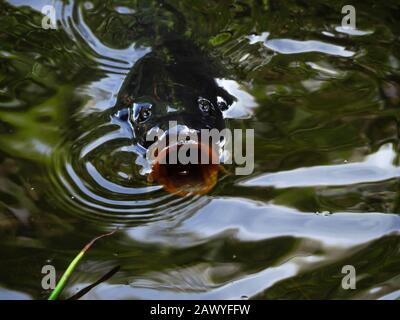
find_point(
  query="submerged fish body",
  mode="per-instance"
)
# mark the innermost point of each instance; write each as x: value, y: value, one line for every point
x: 175, y: 83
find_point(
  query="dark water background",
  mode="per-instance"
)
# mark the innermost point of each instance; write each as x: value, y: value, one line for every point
x: 324, y: 103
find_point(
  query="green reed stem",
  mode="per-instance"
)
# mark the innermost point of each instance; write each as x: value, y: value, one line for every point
x: 61, y: 284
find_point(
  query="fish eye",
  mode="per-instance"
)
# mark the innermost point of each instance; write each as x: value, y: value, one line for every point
x: 222, y: 105
x: 204, y: 104
x: 141, y: 112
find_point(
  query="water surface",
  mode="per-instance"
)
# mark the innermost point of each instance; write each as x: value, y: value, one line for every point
x: 323, y: 101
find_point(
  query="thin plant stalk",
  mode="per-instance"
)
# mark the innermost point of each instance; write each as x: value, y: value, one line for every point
x: 61, y: 284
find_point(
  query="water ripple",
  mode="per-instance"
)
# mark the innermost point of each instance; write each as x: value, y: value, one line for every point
x: 108, y: 59
x: 290, y: 46
x: 376, y: 167
x: 95, y: 171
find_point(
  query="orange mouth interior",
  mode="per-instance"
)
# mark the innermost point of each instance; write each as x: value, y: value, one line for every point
x: 184, y: 179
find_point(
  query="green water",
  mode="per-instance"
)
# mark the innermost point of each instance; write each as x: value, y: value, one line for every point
x: 323, y: 101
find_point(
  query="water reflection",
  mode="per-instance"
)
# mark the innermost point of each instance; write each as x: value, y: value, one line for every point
x: 324, y: 105
x: 289, y: 46
x: 376, y: 167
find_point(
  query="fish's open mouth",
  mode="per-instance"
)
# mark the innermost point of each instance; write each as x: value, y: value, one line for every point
x: 196, y: 177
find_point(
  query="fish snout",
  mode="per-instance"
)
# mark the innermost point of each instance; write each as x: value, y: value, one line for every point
x: 182, y: 163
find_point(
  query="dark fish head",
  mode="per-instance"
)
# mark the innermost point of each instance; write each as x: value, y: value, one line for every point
x: 179, y: 101
x: 193, y: 114
x: 179, y: 124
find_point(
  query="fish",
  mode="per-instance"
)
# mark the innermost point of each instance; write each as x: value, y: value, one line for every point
x: 176, y: 83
